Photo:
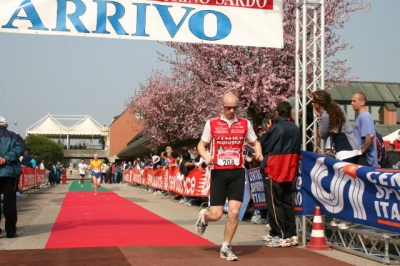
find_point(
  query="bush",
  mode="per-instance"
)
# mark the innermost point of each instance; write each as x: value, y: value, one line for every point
x: 44, y: 148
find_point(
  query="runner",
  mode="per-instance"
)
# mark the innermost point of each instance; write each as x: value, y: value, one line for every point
x: 225, y: 136
x: 82, y: 167
x: 96, y: 166
x: 71, y: 166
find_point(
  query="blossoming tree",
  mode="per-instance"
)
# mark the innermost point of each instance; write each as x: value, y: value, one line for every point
x: 176, y: 105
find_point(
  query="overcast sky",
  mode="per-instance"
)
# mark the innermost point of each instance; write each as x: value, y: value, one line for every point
x: 92, y: 76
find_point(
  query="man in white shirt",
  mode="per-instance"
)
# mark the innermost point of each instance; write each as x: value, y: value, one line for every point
x: 82, y: 167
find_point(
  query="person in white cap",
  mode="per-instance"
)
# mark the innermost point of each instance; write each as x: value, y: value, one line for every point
x: 11, y: 148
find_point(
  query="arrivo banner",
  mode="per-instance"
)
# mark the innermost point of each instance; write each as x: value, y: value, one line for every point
x: 231, y: 22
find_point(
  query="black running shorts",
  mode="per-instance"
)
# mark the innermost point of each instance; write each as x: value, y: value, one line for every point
x: 226, y: 184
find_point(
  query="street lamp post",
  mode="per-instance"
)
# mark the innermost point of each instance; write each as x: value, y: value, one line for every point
x: 15, y: 124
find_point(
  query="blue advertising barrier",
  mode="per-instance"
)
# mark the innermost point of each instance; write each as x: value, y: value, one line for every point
x: 257, y: 188
x: 350, y: 192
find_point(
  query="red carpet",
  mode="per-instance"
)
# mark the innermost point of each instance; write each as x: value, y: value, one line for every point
x: 107, y: 219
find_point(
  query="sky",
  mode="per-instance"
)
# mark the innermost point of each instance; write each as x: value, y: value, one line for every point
x: 64, y: 75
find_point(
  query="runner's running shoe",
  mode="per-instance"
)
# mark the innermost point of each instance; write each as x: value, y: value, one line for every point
x: 226, y: 253
x: 200, y: 226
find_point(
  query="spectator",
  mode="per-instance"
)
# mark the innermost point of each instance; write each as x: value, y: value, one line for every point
x: 103, y: 173
x: 41, y: 166
x: 261, y: 130
x: 113, y: 175
x: 334, y: 125
x: 168, y: 150
x: 364, y: 130
x: 129, y: 166
x: 185, y: 167
x: 11, y: 148
x: 139, y: 164
x: 118, y: 171
x: 63, y: 175
x: 281, y: 150
x: 58, y: 173
x: 260, y: 216
x: 336, y: 130
x: 392, y: 157
x: 164, y: 159
x: 52, y: 173
x: 26, y: 160
x: 173, y: 161
x: 147, y: 161
x: 186, y: 164
x: 33, y: 161
x: 198, y: 160
x: 381, y: 149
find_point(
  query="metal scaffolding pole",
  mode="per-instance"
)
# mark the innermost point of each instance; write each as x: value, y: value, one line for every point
x: 310, y: 69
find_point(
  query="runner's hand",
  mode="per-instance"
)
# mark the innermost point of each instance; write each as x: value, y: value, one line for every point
x: 258, y: 156
x: 209, y: 160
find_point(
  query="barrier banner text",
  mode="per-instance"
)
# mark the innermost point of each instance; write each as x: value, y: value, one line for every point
x: 257, y: 188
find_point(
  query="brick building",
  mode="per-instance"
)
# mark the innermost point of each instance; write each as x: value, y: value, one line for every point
x: 123, y: 128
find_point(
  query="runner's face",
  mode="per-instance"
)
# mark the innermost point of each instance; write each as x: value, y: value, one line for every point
x: 229, y: 108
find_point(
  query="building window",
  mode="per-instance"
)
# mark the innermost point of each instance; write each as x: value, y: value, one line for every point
x: 374, y: 111
x: 139, y: 115
x: 351, y: 114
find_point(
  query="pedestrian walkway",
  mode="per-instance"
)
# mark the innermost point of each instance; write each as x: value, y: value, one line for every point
x: 40, y: 210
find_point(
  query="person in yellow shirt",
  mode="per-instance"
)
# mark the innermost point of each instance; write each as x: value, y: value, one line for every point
x: 96, y: 167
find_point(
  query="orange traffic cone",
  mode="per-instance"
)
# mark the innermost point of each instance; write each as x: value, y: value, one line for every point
x: 318, y: 241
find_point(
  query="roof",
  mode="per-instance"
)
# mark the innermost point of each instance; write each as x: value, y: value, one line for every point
x: 136, y: 146
x: 385, y: 129
x: 50, y: 125
x: 377, y: 93
x: 86, y: 126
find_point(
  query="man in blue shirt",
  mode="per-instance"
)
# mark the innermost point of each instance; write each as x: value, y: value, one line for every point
x: 364, y: 130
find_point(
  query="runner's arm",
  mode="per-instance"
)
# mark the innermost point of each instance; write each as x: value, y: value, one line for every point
x: 257, y: 150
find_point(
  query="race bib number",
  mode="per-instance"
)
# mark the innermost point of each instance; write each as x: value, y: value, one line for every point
x: 228, y: 157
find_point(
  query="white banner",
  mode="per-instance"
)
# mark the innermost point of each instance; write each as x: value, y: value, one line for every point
x: 233, y: 22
